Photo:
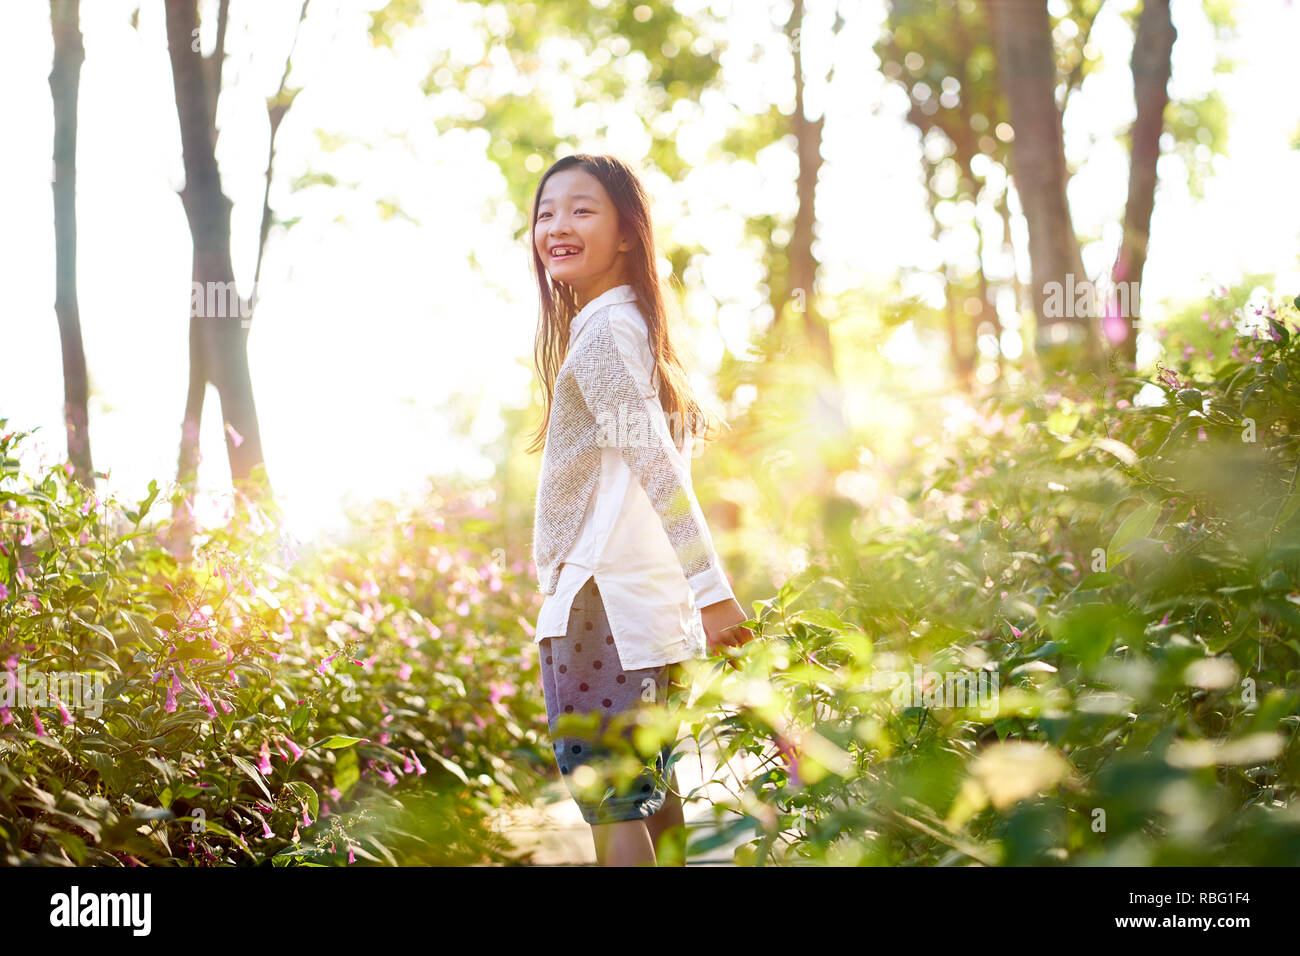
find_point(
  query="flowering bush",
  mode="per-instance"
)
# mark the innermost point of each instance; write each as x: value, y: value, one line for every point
x: 361, y: 703
x: 1072, y: 638
x: 1083, y: 647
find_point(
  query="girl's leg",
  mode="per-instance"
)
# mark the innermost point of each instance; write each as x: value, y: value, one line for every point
x: 626, y: 843
x: 667, y: 829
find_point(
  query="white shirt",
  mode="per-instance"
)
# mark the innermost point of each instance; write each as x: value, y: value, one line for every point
x: 653, y: 608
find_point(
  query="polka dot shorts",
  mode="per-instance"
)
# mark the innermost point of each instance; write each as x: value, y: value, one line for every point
x: 582, y: 676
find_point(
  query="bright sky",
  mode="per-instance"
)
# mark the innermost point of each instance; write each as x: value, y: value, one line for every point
x: 366, y: 326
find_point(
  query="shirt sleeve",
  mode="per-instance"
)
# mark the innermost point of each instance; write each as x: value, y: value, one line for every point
x: 615, y: 374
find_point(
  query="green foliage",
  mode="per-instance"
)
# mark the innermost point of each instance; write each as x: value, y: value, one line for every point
x: 1083, y: 647
x: 359, y: 703
x: 1079, y: 643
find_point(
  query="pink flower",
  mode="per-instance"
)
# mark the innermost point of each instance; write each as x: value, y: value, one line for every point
x: 237, y: 438
x: 351, y: 857
x: 306, y: 820
x: 387, y: 776
x: 4, y: 592
x: 27, y: 535
x: 266, y: 829
x: 404, y: 672
x: 170, y: 705
x: 40, y: 728
x: 296, y: 750
x: 499, y: 689
x: 224, y: 706
x: 207, y: 702
x: 5, y: 716
x: 264, y: 767
x: 419, y: 767
x: 320, y: 668
x: 64, y: 716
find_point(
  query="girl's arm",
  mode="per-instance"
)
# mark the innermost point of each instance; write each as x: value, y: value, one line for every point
x: 614, y: 373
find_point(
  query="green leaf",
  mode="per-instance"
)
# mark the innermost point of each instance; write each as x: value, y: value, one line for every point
x: 95, y: 580
x: 1134, y: 528
x: 1099, y: 579
x: 251, y: 772
x: 451, y: 766
x: 346, y: 772
x: 306, y: 793
x: 142, y: 629
x: 97, y: 628
x: 822, y: 617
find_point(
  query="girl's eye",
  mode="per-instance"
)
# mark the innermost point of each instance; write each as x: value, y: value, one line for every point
x: 540, y: 215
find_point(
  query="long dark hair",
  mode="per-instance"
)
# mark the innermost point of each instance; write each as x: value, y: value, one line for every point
x: 559, y: 305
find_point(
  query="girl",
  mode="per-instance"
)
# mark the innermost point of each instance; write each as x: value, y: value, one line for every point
x: 632, y: 583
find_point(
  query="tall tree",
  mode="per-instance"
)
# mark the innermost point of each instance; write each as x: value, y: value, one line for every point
x: 218, y: 343
x: 803, y: 264
x: 941, y: 55
x: 65, y: 80
x: 1022, y: 34
x: 827, y: 408
x: 1151, y: 64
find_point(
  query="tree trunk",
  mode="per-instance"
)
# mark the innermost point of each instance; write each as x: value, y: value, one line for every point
x: 218, y: 351
x: 65, y: 80
x: 802, y: 273
x: 1027, y: 73
x: 1152, y: 55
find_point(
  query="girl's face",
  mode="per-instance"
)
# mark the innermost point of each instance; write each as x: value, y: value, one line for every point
x: 576, y: 216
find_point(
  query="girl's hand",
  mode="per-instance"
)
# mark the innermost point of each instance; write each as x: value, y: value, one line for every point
x: 721, y: 628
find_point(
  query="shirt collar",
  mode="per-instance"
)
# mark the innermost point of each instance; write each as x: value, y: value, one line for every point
x: 620, y: 293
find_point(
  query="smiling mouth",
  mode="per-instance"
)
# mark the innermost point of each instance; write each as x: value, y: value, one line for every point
x: 562, y: 254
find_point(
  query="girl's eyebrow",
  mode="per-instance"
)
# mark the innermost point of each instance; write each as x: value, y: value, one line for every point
x: 575, y: 196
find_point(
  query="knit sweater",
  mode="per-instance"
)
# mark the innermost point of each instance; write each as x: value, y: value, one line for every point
x: 591, y: 388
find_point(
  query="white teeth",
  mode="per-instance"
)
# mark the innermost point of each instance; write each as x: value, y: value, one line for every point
x: 564, y: 251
